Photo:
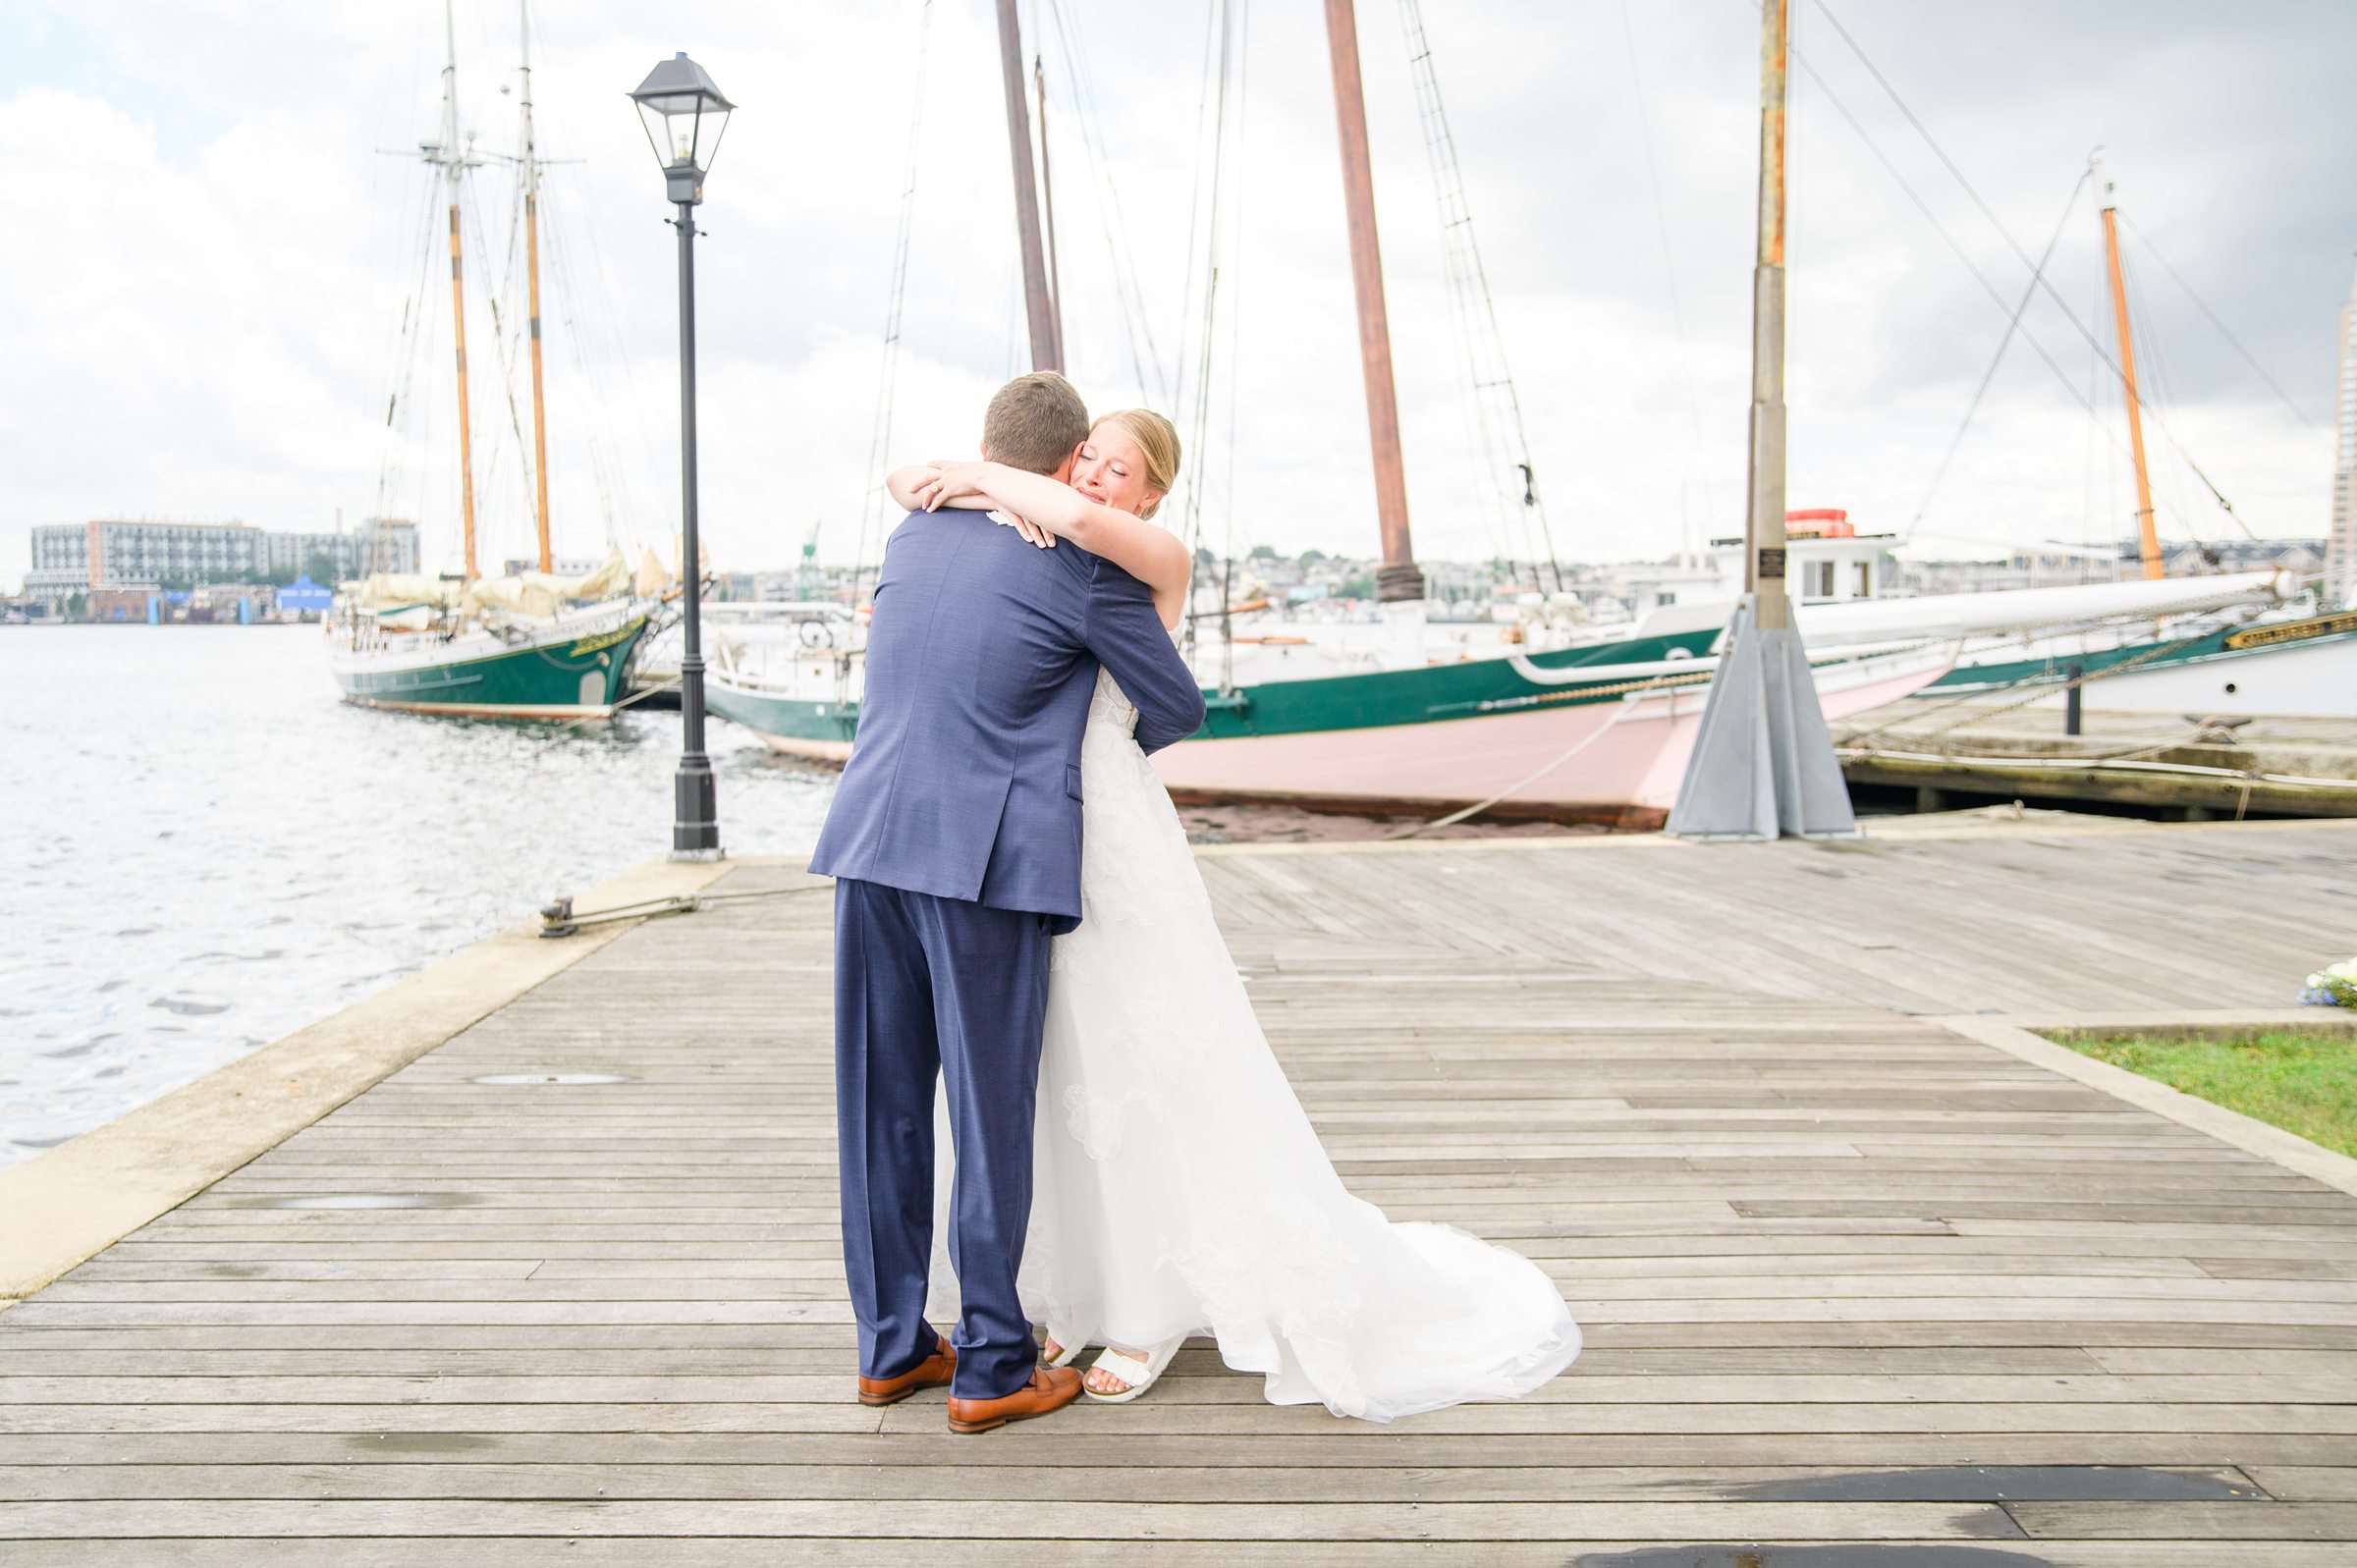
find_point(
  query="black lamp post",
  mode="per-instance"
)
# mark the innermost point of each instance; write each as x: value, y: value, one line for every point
x: 680, y: 105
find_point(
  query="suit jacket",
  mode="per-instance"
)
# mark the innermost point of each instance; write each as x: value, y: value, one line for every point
x: 965, y: 777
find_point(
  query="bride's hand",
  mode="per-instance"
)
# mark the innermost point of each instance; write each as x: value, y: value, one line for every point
x: 950, y: 481
x: 1032, y: 531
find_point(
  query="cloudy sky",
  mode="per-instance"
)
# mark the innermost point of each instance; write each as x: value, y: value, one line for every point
x: 216, y: 240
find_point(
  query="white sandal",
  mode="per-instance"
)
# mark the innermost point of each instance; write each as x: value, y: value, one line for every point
x: 1140, y: 1375
x: 1065, y: 1356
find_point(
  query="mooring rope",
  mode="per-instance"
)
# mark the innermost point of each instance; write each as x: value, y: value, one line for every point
x: 557, y: 919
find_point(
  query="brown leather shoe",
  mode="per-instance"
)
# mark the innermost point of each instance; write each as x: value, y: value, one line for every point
x: 1050, y: 1388
x: 931, y: 1372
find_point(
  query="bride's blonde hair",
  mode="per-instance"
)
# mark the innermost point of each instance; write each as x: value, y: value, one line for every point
x: 1158, y: 441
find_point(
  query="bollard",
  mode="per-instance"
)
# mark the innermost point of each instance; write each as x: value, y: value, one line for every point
x: 2073, y: 713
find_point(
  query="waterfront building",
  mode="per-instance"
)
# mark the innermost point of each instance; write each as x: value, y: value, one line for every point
x: 386, y: 544
x: 79, y: 558
x: 60, y: 563
x: 121, y: 604
x: 116, y: 554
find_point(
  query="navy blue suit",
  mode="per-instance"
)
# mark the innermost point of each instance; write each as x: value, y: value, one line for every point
x: 954, y: 838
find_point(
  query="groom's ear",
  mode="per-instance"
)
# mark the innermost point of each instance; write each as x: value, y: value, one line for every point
x: 1063, y: 473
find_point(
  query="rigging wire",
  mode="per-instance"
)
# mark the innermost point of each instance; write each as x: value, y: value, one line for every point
x: 2153, y: 391
x: 405, y: 353
x: 1196, y: 400
x: 2088, y: 512
x: 1661, y: 224
x: 502, y: 345
x: 1105, y: 194
x: 1235, y: 301
x: 1497, y: 404
x: 2160, y: 425
x: 1212, y: 13
x: 583, y: 295
x: 2060, y: 375
x: 2224, y: 331
x: 2069, y: 206
x: 879, y: 442
x: 1478, y: 456
x: 582, y: 301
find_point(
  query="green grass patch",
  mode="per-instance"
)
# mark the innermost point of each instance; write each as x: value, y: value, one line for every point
x: 2301, y: 1082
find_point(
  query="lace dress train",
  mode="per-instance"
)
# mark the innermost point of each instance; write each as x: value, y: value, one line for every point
x: 1182, y: 1189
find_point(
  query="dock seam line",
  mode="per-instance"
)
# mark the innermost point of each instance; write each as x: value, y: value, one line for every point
x: 2014, y: 1036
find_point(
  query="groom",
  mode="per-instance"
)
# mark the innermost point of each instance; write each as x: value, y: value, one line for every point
x: 955, y: 842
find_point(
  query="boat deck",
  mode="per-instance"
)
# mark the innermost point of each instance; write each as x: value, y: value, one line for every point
x: 1858, y: 1289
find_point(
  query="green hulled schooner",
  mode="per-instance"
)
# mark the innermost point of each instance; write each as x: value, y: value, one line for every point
x: 533, y: 645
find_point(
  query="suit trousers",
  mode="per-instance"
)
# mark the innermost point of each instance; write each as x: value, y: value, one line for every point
x: 925, y: 985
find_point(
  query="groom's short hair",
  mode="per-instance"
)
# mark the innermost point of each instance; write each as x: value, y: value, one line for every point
x: 1035, y: 422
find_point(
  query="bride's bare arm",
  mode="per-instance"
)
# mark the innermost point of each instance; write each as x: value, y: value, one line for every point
x: 1152, y: 555
x: 907, y: 486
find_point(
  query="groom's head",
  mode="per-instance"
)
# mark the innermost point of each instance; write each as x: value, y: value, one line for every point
x: 1036, y: 424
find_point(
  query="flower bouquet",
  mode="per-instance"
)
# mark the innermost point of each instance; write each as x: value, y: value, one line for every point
x: 2333, y: 987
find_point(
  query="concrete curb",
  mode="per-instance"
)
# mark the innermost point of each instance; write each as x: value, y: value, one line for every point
x: 2286, y: 1149
x: 72, y: 1202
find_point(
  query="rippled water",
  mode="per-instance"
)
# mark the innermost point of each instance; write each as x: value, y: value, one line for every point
x: 209, y: 850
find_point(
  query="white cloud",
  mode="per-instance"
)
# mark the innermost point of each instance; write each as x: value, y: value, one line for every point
x: 212, y: 258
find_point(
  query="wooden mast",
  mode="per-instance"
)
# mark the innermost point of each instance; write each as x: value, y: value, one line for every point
x: 453, y: 163
x: 2148, y: 537
x: 532, y: 258
x: 1764, y: 519
x: 1047, y: 333
x: 1398, y: 577
x: 1047, y: 199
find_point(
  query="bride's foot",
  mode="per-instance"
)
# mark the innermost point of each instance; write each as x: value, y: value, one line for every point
x: 1122, y: 1374
x: 1098, y: 1380
x: 1051, y: 1352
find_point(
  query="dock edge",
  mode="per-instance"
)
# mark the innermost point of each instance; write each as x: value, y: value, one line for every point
x: 70, y: 1203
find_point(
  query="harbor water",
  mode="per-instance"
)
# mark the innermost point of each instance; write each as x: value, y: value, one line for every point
x: 209, y: 850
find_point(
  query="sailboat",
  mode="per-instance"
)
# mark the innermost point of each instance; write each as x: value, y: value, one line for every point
x: 535, y: 645
x: 2203, y: 645
x: 1598, y: 733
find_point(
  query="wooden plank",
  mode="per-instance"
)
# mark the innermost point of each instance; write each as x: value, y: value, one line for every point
x: 1036, y: 1483
x: 1094, y: 1522
x: 1167, y: 1417
x: 1338, y: 1447
x: 985, y: 1551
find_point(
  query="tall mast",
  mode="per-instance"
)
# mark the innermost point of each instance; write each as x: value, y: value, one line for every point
x: 2148, y: 537
x: 531, y: 258
x: 1398, y: 578
x: 1046, y: 198
x: 1764, y: 521
x: 1047, y: 333
x: 453, y: 162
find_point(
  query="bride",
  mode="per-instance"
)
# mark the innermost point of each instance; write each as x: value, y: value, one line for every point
x: 1179, y: 1189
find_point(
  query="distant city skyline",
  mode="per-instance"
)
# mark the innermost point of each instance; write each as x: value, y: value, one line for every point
x: 222, y: 299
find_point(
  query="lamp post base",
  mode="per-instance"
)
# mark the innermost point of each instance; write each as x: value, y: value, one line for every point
x: 695, y: 824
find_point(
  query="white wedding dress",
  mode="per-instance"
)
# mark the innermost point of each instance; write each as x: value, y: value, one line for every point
x: 1180, y: 1187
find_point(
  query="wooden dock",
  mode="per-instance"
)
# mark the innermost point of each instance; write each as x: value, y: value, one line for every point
x: 1860, y: 1291
x: 1950, y: 751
